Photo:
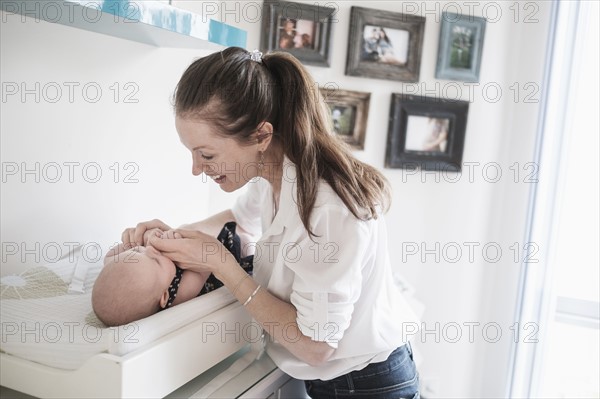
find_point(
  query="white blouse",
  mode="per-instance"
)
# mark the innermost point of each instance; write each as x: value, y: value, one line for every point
x: 341, y: 283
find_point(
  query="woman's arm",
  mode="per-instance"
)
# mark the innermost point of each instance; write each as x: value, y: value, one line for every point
x: 212, y: 225
x: 276, y: 317
x: 200, y: 252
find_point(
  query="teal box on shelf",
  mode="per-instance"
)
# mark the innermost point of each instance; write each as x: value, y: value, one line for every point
x: 151, y: 22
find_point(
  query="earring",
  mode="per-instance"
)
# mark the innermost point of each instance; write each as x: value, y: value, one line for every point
x: 261, y: 161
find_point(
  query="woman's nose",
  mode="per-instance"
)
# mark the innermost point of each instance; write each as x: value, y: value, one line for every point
x: 197, y: 167
x: 200, y: 167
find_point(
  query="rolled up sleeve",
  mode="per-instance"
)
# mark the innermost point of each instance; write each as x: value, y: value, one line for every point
x: 328, y: 274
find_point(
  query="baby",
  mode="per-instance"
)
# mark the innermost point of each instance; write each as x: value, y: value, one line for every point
x: 137, y: 282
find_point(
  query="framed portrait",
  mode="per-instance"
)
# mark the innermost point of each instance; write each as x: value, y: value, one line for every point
x: 384, y: 45
x: 301, y: 29
x: 426, y: 133
x: 460, y: 47
x: 349, y: 112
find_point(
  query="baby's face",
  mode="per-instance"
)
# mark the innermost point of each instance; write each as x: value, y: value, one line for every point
x: 149, y: 265
x: 132, y: 285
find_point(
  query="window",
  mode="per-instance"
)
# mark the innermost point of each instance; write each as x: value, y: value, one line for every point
x: 562, y: 292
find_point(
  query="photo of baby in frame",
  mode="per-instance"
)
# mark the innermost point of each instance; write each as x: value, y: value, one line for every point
x: 426, y: 133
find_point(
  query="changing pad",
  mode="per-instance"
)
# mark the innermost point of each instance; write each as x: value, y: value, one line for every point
x: 46, y: 315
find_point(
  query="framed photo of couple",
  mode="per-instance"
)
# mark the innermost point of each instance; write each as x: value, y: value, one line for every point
x: 385, y: 45
x: 301, y: 29
x: 426, y: 133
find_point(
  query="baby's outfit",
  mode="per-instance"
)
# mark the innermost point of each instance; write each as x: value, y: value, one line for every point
x: 231, y: 241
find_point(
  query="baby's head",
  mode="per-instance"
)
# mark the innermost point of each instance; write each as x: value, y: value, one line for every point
x: 133, y: 284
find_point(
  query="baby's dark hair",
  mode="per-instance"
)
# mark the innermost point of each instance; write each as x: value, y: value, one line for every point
x: 237, y: 94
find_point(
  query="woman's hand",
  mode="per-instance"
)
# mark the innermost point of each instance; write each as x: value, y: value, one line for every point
x: 155, y: 231
x: 170, y: 235
x: 193, y: 250
x: 137, y: 235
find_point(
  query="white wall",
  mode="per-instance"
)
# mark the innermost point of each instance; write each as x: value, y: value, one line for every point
x: 153, y: 179
x: 472, y: 210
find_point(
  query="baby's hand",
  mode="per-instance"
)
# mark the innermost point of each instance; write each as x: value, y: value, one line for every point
x: 170, y: 235
x: 152, y: 232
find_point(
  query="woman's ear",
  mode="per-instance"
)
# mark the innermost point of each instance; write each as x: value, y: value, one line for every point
x: 164, y: 298
x: 264, y: 134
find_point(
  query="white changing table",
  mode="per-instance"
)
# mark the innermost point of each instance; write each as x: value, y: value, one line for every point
x: 261, y: 379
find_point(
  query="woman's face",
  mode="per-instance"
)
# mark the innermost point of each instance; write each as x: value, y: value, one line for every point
x: 223, y: 159
x: 288, y: 26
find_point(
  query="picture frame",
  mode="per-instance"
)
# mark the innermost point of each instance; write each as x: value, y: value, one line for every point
x: 426, y: 133
x: 385, y: 45
x: 460, y: 47
x: 303, y: 30
x: 349, y: 114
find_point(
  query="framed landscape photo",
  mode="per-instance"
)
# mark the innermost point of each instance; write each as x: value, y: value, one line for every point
x: 301, y: 29
x: 384, y: 45
x: 460, y: 47
x: 426, y: 133
x: 349, y: 112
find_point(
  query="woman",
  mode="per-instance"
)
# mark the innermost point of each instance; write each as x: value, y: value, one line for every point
x: 386, y: 49
x: 322, y: 287
x: 288, y: 34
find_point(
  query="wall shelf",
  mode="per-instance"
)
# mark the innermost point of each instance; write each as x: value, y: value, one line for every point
x: 150, y: 22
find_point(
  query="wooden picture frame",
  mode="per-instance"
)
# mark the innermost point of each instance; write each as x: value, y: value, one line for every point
x: 385, y: 45
x: 426, y: 133
x: 460, y: 47
x: 349, y: 113
x: 302, y: 29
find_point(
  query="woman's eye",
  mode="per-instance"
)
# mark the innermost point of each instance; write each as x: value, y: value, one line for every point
x: 205, y: 157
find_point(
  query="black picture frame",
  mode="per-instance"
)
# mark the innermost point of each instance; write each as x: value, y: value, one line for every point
x: 426, y: 133
x: 303, y: 30
x: 460, y: 47
x: 371, y: 49
x: 353, y: 111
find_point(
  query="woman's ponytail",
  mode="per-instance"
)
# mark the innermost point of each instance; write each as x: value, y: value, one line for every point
x: 279, y: 90
x: 302, y: 123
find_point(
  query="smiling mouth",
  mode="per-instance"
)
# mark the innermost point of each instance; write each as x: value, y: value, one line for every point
x: 218, y: 178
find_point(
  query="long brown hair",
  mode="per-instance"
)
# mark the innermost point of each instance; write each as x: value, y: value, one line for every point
x: 237, y: 94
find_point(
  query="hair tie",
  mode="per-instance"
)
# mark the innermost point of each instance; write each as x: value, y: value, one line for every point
x: 256, y: 56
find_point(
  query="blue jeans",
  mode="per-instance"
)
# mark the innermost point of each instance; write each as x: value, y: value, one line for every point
x: 396, y: 378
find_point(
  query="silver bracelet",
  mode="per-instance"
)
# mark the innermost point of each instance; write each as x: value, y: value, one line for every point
x: 252, y: 295
x: 239, y: 283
